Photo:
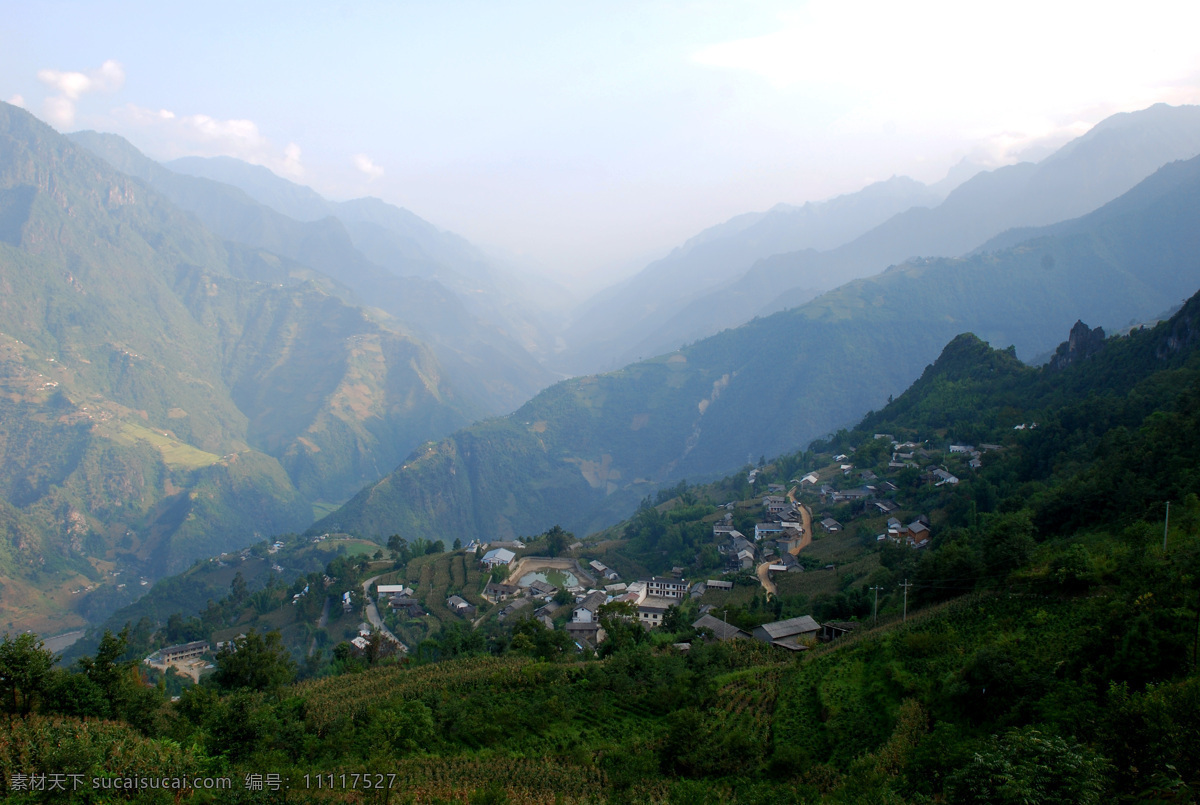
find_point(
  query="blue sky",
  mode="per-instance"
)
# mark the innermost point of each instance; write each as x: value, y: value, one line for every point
x: 580, y: 137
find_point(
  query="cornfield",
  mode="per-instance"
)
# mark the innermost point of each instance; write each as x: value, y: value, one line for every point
x: 329, y: 700
x: 69, y: 746
x: 746, y: 700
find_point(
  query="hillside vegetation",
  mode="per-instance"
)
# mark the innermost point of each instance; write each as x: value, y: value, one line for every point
x: 1045, y: 652
x: 165, y: 395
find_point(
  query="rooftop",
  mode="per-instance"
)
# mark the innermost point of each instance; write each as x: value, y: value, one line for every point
x: 792, y: 626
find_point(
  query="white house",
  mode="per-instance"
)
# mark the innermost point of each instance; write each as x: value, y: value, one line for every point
x: 498, y: 556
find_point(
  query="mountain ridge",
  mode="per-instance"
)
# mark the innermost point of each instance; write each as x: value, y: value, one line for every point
x: 603, y: 442
x: 1088, y: 172
x: 167, y: 394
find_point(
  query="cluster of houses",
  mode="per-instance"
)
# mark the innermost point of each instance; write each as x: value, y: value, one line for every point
x: 875, y: 494
x: 650, y: 600
x: 777, y: 539
x: 363, y: 638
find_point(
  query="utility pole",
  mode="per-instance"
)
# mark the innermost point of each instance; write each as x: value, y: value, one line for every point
x: 875, y: 612
x: 1166, y: 525
x: 906, y: 585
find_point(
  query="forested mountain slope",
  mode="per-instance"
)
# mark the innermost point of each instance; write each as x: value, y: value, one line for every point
x: 584, y: 449
x: 409, y: 246
x: 490, y: 369
x: 168, y: 395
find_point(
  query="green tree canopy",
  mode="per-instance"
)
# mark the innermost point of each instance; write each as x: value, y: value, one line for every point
x: 254, y: 661
x: 24, y: 672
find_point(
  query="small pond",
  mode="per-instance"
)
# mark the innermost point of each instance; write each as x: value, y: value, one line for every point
x: 562, y: 579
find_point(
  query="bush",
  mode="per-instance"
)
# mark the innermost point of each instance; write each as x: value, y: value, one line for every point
x: 1027, y: 767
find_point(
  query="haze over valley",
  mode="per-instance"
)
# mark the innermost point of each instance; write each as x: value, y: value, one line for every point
x: 352, y: 375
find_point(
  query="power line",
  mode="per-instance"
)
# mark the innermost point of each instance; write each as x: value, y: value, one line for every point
x: 906, y: 585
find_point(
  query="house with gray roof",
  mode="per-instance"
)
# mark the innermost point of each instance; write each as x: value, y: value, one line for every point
x: 513, y: 608
x: 652, y: 610
x: 789, y: 634
x: 720, y: 629
x: 586, y: 610
x: 496, y: 592
x: 586, y: 634
x: 460, y: 606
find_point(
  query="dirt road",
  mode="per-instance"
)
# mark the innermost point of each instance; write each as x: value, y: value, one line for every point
x: 373, y: 615
x: 805, y: 523
x: 764, y: 578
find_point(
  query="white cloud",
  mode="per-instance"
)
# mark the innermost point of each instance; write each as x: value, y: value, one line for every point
x: 175, y: 135
x: 167, y: 135
x: 71, y: 86
x: 291, y: 161
x: 17, y: 100
x: 365, y: 164
x: 235, y: 134
x: 1029, y: 69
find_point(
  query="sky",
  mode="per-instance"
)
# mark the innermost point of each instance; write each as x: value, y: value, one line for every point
x: 581, y: 140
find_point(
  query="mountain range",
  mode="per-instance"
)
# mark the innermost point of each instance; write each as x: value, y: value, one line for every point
x: 170, y: 392
x: 586, y: 449
x: 199, y: 354
x: 490, y: 368
x: 666, y: 306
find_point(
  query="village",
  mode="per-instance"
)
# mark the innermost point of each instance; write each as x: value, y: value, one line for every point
x: 570, y: 593
x: 806, y: 533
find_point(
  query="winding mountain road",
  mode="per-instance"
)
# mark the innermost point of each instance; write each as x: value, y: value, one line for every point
x: 373, y: 615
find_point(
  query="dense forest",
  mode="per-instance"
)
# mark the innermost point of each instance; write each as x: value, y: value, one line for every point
x: 1041, y: 648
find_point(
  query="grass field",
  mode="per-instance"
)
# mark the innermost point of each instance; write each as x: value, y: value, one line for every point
x: 324, y: 509
x: 353, y: 547
x: 176, y: 454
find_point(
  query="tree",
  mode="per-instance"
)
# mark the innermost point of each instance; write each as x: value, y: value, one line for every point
x: 254, y: 661
x: 113, y: 680
x: 407, y: 727
x: 557, y: 540
x: 1007, y: 542
x: 375, y: 648
x: 237, y: 589
x: 673, y: 620
x: 619, y: 619
x: 25, y: 666
x: 106, y: 670
x: 533, y: 638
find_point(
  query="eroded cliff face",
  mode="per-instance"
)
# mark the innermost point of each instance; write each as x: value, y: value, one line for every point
x: 1082, y: 344
x: 1184, y: 332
